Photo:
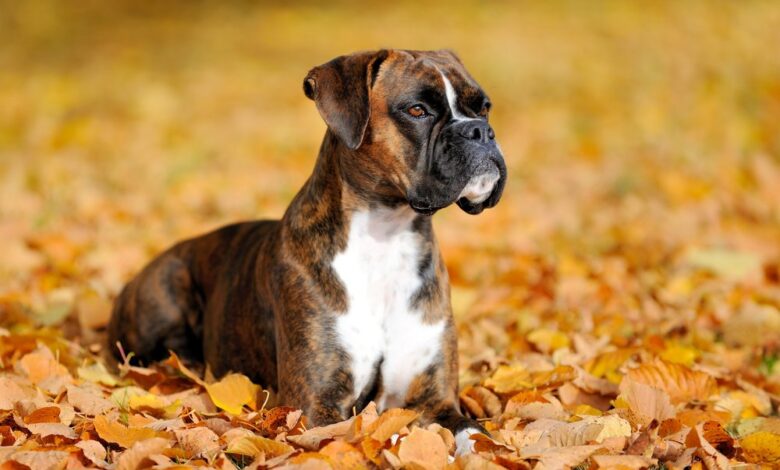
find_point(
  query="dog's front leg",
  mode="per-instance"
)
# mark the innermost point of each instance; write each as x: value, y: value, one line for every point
x: 434, y: 393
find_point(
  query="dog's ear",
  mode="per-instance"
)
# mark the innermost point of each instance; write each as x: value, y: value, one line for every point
x: 340, y: 88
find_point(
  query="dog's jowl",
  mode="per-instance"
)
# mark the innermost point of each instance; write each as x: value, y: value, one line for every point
x: 344, y: 300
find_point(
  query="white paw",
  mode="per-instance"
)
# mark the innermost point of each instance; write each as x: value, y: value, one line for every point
x: 463, y: 443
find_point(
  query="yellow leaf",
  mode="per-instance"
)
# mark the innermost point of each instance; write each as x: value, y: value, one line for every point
x: 507, y: 379
x: 587, y: 410
x: 389, y: 423
x: 112, y: 431
x: 233, y: 392
x: 548, y: 340
x: 761, y: 447
x: 154, y: 402
x: 97, y: 373
x: 253, y: 446
x: 606, y: 364
x: 680, y: 354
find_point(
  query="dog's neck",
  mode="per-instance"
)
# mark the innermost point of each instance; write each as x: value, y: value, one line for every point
x: 336, y: 191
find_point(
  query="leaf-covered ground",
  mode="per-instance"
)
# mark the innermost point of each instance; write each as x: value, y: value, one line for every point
x: 619, y: 309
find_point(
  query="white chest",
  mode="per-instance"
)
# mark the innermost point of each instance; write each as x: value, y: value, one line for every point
x: 379, y: 269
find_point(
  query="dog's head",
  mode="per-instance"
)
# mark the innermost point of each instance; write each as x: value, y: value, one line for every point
x: 415, y: 128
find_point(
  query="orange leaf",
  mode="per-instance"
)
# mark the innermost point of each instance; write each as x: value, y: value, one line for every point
x: 389, y: 423
x: 112, y: 431
x: 681, y: 383
x: 423, y: 449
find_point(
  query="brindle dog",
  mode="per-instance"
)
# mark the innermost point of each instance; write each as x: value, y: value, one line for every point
x: 346, y: 298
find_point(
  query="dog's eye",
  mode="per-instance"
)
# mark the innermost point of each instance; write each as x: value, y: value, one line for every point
x: 417, y: 111
x: 485, y: 110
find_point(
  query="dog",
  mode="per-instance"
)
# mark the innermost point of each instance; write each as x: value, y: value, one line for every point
x: 346, y: 299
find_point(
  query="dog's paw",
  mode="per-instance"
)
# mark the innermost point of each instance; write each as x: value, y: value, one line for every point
x: 463, y: 442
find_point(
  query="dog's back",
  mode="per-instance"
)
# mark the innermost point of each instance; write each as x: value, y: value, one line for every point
x: 164, y: 307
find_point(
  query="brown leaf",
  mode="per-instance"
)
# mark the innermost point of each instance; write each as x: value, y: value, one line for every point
x: 47, y: 414
x: 94, y: 452
x: 11, y: 393
x: 557, y: 458
x: 52, y: 429
x: 42, y: 459
x: 312, y: 438
x: 622, y: 462
x: 132, y: 458
x: 680, y: 382
x: 88, y: 400
x: 423, y: 449
x: 197, y: 441
x: 646, y: 402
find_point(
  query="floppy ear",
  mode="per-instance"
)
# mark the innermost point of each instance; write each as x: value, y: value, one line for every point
x: 340, y: 89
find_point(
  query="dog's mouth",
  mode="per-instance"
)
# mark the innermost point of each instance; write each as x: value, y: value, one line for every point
x: 424, y: 208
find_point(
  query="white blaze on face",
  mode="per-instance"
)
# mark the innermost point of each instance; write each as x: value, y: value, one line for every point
x: 479, y: 187
x: 452, y: 99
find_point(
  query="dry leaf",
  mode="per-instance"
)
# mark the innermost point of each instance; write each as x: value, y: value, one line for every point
x: 312, y: 438
x: 233, y: 392
x: 198, y: 441
x: 88, y: 400
x: 761, y: 447
x: 558, y: 458
x: 10, y: 393
x: 389, y: 423
x: 132, y: 458
x: 681, y: 383
x: 94, y: 452
x: 39, y: 459
x: 508, y: 379
x: 111, y: 431
x: 423, y: 449
x: 646, y: 402
x: 623, y: 462
x: 344, y: 456
x: 42, y: 368
x: 254, y: 446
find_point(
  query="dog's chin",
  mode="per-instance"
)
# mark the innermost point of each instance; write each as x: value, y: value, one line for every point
x: 470, y: 207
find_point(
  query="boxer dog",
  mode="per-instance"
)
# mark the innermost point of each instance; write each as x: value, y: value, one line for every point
x: 346, y: 299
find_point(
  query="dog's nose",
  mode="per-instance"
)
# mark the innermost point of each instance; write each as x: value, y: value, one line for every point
x: 478, y: 130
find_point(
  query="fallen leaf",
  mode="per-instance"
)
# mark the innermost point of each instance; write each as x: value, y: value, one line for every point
x: 423, y: 449
x: 508, y: 379
x: 681, y: 383
x: 11, y: 393
x: 761, y: 448
x: 132, y: 458
x: 94, y: 452
x: 197, y: 441
x: 646, y: 402
x: 253, y: 446
x: 111, y: 431
x: 623, y: 462
x: 89, y: 401
x: 311, y: 439
x: 233, y: 392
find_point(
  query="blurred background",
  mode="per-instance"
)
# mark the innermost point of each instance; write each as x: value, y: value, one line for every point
x: 642, y: 140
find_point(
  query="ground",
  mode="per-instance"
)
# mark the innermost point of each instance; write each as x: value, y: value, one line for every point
x: 620, y: 308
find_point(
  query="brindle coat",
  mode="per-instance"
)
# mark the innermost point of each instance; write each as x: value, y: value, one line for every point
x: 263, y: 298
